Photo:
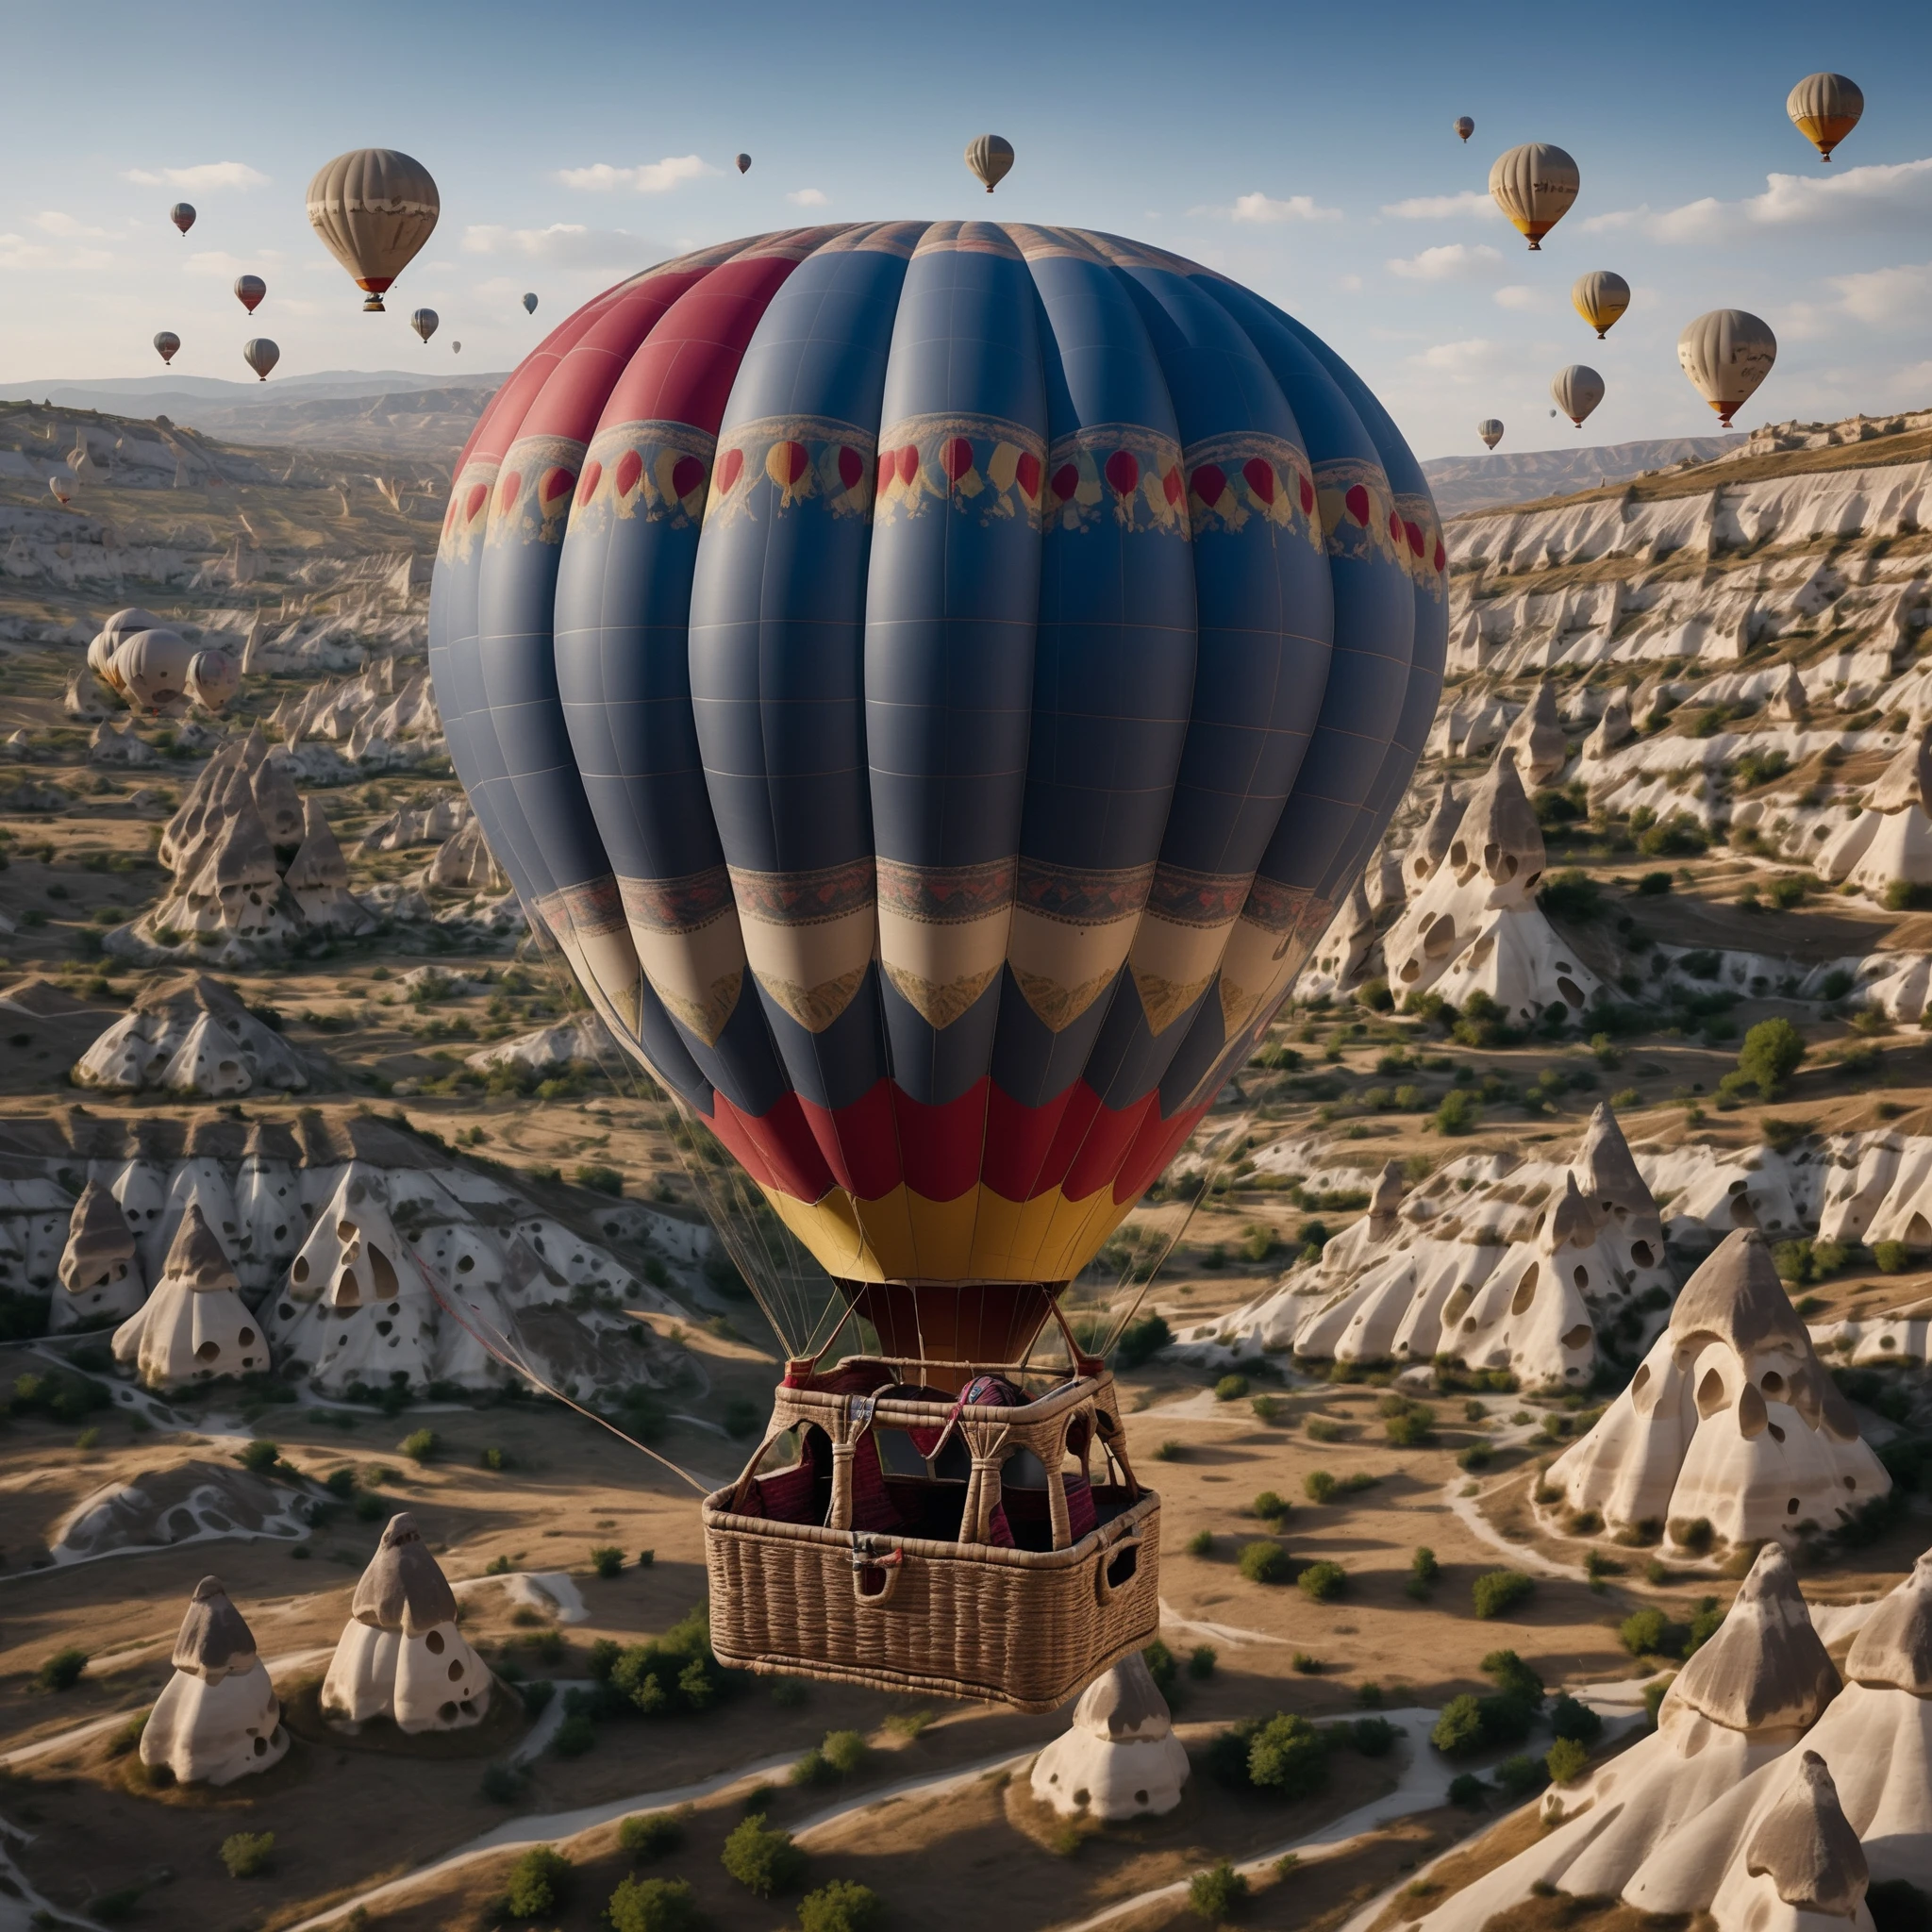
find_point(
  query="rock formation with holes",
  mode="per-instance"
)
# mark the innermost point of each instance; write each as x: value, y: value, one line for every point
x: 191, y: 1036
x: 100, y: 1272
x: 1119, y: 1757
x: 1891, y: 839
x: 195, y: 1327
x: 1493, y: 1263
x: 1740, y: 1703
x: 218, y: 1717
x: 402, y: 1657
x: 1731, y: 1427
x: 1475, y: 925
x: 1537, y: 739
x: 1343, y: 952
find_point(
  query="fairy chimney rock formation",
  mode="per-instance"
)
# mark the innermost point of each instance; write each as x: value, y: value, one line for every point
x: 100, y: 1270
x: 1431, y: 846
x: 1790, y: 704
x: 1765, y: 1669
x: 1537, y: 739
x: 1614, y: 727
x: 194, y: 1325
x: 1891, y: 839
x: 401, y: 1656
x: 1119, y: 1757
x: 218, y: 1718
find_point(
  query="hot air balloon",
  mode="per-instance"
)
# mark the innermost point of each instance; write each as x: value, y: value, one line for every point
x: 1600, y: 297
x: 1534, y: 186
x: 1464, y: 125
x: 1491, y: 430
x: 529, y: 305
x: 212, y: 680
x: 1577, y: 389
x: 989, y: 157
x: 260, y: 356
x: 1824, y: 107
x: 182, y: 215
x: 745, y: 164
x: 121, y: 625
x: 423, y: 322
x: 456, y: 348
x: 1726, y: 354
x: 935, y: 779
x: 249, y: 290
x: 166, y: 343
x: 374, y: 209
x: 62, y: 487
x: 151, y: 669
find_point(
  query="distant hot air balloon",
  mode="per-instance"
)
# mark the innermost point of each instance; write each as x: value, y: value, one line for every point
x: 151, y: 668
x: 249, y: 290
x: 1600, y: 297
x: 182, y: 215
x: 743, y: 164
x: 423, y: 322
x: 1824, y: 107
x: 374, y: 209
x: 260, y: 356
x: 62, y: 486
x: 1534, y: 186
x: 1464, y: 125
x: 1491, y: 430
x: 167, y: 342
x: 529, y: 305
x: 213, y: 679
x: 906, y: 961
x: 989, y: 157
x: 1577, y: 389
x: 456, y: 348
x: 1726, y: 354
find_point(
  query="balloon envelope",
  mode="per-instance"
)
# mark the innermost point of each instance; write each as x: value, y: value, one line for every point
x: 1464, y: 125
x: 425, y: 321
x: 935, y: 683
x: 1491, y: 430
x: 166, y: 343
x: 1726, y: 354
x: 743, y: 164
x: 151, y: 668
x: 1534, y: 185
x: 213, y: 679
x: 456, y: 348
x: 529, y: 305
x: 1824, y: 107
x: 1577, y: 389
x: 260, y: 356
x: 374, y: 209
x: 62, y: 487
x: 1600, y: 297
x: 989, y: 157
x: 182, y: 215
x: 249, y: 290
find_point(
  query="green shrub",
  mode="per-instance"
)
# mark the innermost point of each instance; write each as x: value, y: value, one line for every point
x: 1323, y: 1582
x: 1653, y: 884
x: 1411, y: 1426
x: 260, y: 1456
x: 1459, y: 1728
x: 1771, y: 1054
x: 246, y: 1852
x: 1893, y: 1257
x: 1466, y: 1790
x: 1645, y: 1633
x: 763, y: 1860
x: 1161, y: 1664
x: 340, y: 1483
x: 606, y: 1560
x: 675, y: 1673
x: 1140, y: 1341
x: 1373, y: 1736
x: 1230, y: 1389
x: 421, y: 1445
x: 1570, y: 1718
x: 1704, y: 1623
x: 1458, y: 1114
x: 1201, y: 1543
x: 1288, y: 1756
x: 1268, y: 1408
x: 1498, y: 1592
x: 538, y: 1882
x: 600, y: 1180
x: 62, y: 1671
x: 1565, y: 1760
x: 654, y: 1905
x: 575, y: 1735
x: 1261, y: 1562
x: 1270, y: 1506
x: 1217, y: 1893
x: 1571, y: 894
x: 843, y: 1906
x: 811, y: 1770
x: 1318, y: 1486
x: 1513, y: 1677
x: 1520, y: 1776
x: 1422, y: 1569
x: 846, y: 1752
x: 1202, y: 1660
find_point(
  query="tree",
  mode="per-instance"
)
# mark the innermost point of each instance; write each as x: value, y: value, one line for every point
x: 537, y: 1882
x: 843, y: 1906
x: 653, y: 1905
x: 1217, y: 1893
x: 1288, y: 1756
x: 1769, y: 1055
x: 764, y: 1861
x: 1499, y: 1591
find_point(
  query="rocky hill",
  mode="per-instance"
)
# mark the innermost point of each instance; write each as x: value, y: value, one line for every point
x: 1461, y: 484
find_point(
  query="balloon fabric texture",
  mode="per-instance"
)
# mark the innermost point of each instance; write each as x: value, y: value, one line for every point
x: 935, y: 682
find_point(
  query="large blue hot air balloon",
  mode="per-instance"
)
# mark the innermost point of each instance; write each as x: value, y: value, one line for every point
x: 936, y: 681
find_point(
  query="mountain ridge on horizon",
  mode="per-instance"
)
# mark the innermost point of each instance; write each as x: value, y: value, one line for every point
x: 1460, y: 484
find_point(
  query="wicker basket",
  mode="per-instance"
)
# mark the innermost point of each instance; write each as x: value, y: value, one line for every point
x: 958, y: 1618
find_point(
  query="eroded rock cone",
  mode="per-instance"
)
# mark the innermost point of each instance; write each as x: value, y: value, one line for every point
x: 218, y: 1718
x: 194, y: 1325
x: 1118, y: 1758
x: 100, y: 1269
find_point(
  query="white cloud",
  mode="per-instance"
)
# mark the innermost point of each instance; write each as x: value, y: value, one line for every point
x: 219, y: 262
x: 1350, y: 284
x: 1523, y: 296
x: 1884, y: 297
x: 1436, y: 207
x: 17, y: 252
x: 806, y: 197
x: 1449, y: 261
x: 52, y: 222
x: 647, y: 178
x: 565, y: 245
x: 205, y: 175
x: 1872, y: 197
x: 1465, y: 361
x: 1264, y: 212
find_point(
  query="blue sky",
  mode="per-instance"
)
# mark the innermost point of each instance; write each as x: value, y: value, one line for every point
x: 1306, y: 150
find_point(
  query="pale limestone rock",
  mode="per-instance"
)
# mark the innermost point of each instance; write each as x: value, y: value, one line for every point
x: 1789, y: 703
x: 191, y: 1036
x: 402, y: 1656
x: 100, y: 1270
x: 1613, y: 728
x: 1537, y: 738
x: 318, y: 878
x: 1342, y: 954
x: 218, y: 1718
x: 1431, y: 846
x: 1118, y: 1758
x: 194, y: 1325
x: 464, y: 861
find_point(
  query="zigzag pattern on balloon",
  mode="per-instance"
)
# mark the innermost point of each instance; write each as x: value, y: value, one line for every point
x: 936, y: 682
